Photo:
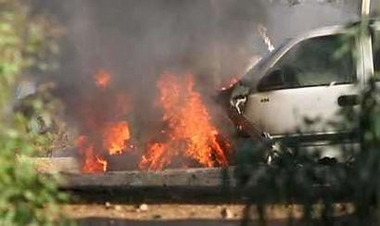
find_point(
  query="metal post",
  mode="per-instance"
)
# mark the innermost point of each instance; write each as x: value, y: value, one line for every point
x: 366, y: 8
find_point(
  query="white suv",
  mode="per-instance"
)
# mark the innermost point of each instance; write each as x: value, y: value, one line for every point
x: 310, y: 78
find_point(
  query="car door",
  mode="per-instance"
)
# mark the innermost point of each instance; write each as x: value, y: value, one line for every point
x: 310, y: 82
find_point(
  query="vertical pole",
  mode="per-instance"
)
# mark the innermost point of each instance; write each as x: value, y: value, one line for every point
x: 366, y: 7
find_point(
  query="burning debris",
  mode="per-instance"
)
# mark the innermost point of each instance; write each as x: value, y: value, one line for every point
x: 106, y: 133
x: 189, y: 133
x: 92, y: 162
x: 115, y: 137
x: 186, y: 139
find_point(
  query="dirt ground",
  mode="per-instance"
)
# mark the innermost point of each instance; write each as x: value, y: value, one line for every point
x: 227, y: 213
x: 172, y: 211
x: 154, y: 211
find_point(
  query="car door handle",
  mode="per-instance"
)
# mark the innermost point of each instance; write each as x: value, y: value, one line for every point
x: 348, y: 100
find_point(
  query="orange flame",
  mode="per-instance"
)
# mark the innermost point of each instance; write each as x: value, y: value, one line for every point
x: 190, y: 133
x: 115, y: 137
x: 105, y: 137
x: 102, y: 79
x: 189, y: 136
x: 91, y: 163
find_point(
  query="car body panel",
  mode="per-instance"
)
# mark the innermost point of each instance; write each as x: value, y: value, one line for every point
x: 285, y: 111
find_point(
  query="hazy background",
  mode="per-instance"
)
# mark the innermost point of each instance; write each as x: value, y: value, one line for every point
x: 215, y: 38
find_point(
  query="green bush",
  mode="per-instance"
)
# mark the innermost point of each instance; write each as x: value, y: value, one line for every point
x: 26, y: 197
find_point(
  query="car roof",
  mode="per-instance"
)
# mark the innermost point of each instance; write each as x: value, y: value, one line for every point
x: 249, y: 78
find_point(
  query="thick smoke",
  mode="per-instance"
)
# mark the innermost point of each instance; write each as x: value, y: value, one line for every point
x: 138, y: 40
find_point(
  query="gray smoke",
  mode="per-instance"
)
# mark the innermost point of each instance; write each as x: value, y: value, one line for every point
x: 137, y: 40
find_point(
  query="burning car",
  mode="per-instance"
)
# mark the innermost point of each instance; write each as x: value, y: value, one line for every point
x: 297, y: 92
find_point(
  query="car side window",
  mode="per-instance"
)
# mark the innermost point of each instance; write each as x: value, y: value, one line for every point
x: 317, y: 61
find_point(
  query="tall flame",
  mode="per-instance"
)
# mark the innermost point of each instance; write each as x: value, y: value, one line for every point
x: 103, y: 135
x: 188, y: 137
x: 189, y: 134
